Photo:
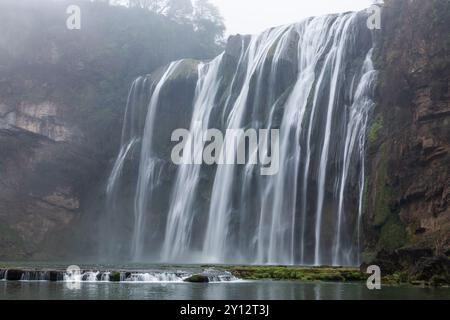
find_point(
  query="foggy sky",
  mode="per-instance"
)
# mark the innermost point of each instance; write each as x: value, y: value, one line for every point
x: 254, y: 16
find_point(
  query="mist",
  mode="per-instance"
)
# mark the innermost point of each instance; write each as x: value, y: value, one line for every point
x: 254, y: 16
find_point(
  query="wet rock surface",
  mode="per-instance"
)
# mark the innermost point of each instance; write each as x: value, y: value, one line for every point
x: 408, y: 203
x: 418, y: 266
x: 197, y: 278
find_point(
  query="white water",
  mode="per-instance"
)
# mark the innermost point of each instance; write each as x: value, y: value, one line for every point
x: 311, y: 211
x: 181, y: 212
x: 80, y: 276
x: 149, y: 169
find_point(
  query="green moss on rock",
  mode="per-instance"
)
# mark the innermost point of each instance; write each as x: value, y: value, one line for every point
x: 114, y: 277
x: 396, y: 278
x: 438, y: 281
x: 368, y: 256
x: 393, y: 234
x: 375, y: 129
x: 298, y: 273
x: 197, y: 278
x: 382, y: 196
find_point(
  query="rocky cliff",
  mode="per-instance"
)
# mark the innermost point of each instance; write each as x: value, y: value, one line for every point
x: 62, y: 100
x: 408, y: 186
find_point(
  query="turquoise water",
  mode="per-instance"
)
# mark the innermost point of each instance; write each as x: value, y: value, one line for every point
x: 256, y: 290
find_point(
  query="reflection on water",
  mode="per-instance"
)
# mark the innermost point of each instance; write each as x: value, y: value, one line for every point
x: 258, y: 290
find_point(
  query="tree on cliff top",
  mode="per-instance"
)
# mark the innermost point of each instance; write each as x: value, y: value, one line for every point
x: 202, y: 15
x: 208, y: 21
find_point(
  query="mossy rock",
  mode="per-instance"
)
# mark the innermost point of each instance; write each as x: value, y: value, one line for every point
x: 382, y: 196
x: 375, y: 129
x: 114, y: 277
x: 299, y: 273
x: 439, y: 280
x: 393, y: 234
x: 368, y: 256
x: 396, y: 278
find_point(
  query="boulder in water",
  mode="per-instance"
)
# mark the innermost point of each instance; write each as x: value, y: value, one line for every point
x: 14, y: 275
x: 114, y: 277
x: 197, y: 278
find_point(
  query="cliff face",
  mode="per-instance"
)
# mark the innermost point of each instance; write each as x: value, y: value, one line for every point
x: 408, y: 186
x: 62, y: 98
x: 44, y: 118
x: 43, y: 185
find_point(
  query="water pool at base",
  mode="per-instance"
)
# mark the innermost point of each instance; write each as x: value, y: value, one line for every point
x: 254, y: 290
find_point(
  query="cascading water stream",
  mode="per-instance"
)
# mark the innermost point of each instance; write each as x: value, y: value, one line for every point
x: 220, y: 209
x: 181, y: 213
x: 313, y: 81
x: 149, y: 168
x: 131, y: 137
x: 94, y: 276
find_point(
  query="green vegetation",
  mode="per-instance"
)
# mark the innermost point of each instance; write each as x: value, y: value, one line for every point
x: 198, y: 278
x: 382, y: 196
x: 438, y: 280
x: 393, y: 234
x: 396, y: 278
x: 392, y: 231
x: 399, y: 278
x: 297, y: 273
x: 368, y: 256
x: 202, y: 15
x: 376, y: 128
x: 114, y: 277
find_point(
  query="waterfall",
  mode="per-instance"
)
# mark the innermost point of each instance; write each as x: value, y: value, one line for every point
x: 314, y: 82
x: 149, y: 168
x: 181, y: 213
x: 131, y: 138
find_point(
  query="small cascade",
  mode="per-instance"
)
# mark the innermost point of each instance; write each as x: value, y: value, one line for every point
x: 215, y: 275
x: 36, y: 276
x: 31, y: 275
x: 94, y: 276
x: 85, y: 276
x: 156, y: 277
